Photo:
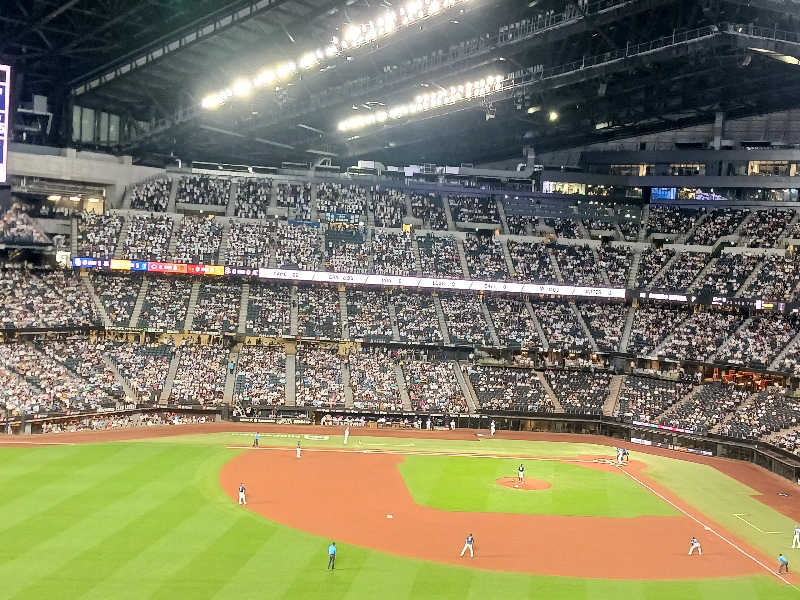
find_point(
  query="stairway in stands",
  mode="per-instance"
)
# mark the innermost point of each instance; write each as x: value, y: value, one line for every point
x: 442, y: 321
x: 230, y: 375
x: 87, y: 283
x: 537, y: 325
x: 466, y: 388
x: 137, y: 308
x: 243, y: 301
x: 674, y: 408
x: 348, y: 389
x: 222, y: 251
x: 401, y: 387
x: 343, y: 314
x: 611, y: 404
x: 626, y: 331
x: 549, y: 391
x: 291, y: 369
x: 189, y: 320
x: 169, y: 382
x: 490, y: 325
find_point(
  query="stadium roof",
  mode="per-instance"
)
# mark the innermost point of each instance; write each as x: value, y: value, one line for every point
x: 574, y: 73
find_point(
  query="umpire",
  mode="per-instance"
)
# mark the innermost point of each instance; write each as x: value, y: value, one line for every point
x: 332, y: 556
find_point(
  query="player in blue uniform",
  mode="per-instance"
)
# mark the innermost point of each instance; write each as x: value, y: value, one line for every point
x: 468, y: 546
x: 332, y: 556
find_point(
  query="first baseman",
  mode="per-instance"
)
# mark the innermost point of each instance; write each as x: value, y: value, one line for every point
x: 242, y: 497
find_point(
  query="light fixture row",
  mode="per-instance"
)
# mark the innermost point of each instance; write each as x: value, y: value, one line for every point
x: 470, y: 90
x: 354, y: 36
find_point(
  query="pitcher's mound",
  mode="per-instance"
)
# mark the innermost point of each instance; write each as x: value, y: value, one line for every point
x: 527, y: 484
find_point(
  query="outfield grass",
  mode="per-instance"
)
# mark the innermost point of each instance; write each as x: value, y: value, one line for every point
x: 149, y: 520
x: 468, y: 484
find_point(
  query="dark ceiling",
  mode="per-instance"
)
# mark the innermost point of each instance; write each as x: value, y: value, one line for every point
x: 609, y: 68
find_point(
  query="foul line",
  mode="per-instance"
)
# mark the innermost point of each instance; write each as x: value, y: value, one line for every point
x: 425, y: 453
x: 22, y: 443
x: 707, y: 528
x: 740, y: 516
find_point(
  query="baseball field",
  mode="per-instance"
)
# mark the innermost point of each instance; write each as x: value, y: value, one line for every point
x: 154, y: 514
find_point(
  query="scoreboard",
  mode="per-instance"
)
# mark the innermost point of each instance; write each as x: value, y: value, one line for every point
x: 5, y: 117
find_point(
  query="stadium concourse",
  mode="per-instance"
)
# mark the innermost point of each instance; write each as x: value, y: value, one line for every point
x: 183, y: 319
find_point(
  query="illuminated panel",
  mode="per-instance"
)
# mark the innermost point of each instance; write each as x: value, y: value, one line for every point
x: 5, y: 117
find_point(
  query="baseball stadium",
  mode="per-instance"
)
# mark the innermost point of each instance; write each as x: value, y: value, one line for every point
x: 339, y: 299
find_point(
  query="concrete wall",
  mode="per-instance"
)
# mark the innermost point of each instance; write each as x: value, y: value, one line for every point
x: 66, y: 164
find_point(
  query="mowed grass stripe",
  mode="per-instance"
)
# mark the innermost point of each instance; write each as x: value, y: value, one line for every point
x: 313, y: 580
x: 208, y: 571
x: 122, y: 529
x: 112, y: 551
x: 72, y: 512
x: 52, y: 467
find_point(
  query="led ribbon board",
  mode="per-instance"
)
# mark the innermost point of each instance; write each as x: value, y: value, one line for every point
x: 5, y: 117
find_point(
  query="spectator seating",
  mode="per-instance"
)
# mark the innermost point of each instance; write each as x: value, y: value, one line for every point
x: 374, y: 382
x: 645, y: 398
x: 98, y: 234
x: 200, y: 377
x: 165, y: 303
x: 368, y: 315
x: 728, y: 274
x: 253, y: 198
x: 699, y: 337
x: 217, y: 308
x: 605, y: 322
x: 651, y: 326
x: 439, y: 256
x: 429, y: 208
x: 432, y: 387
x: 152, y: 195
x: 580, y: 392
x: 577, y: 265
x: 260, y: 378
x: 517, y: 390
x: 416, y: 317
x: 531, y: 262
x: 512, y: 322
x: 473, y: 209
x: 118, y: 293
x: 148, y: 238
x: 318, y: 378
x: 465, y: 321
x: 297, y: 198
x: 197, y: 241
x: 485, y: 258
x: 720, y: 222
x: 249, y: 244
x: 318, y: 313
x: 204, y: 189
x: 268, y: 310
x: 561, y: 327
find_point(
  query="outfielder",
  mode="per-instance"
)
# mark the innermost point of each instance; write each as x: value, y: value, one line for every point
x: 298, y: 449
x: 693, y: 543
x: 346, y: 434
x: 521, y: 472
x: 468, y: 546
x: 242, y: 497
x: 796, y: 538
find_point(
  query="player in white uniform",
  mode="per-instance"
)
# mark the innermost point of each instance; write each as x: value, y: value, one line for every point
x: 695, y: 544
x: 619, y: 456
x: 521, y: 473
x: 796, y: 538
x: 242, y: 497
x: 298, y: 449
x: 468, y: 546
x: 346, y: 434
x: 491, y: 429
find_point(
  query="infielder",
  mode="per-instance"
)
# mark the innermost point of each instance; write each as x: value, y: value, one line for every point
x: 242, y: 497
x: 346, y: 434
x: 693, y: 543
x: 468, y: 546
x: 521, y: 472
x: 796, y: 538
x: 491, y: 429
x: 298, y: 449
x: 619, y: 455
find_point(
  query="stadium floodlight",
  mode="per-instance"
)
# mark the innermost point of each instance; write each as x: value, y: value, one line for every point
x: 424, y: 102
x: 242, y: 87
x: 354, y: 36
x: 553, y: 115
